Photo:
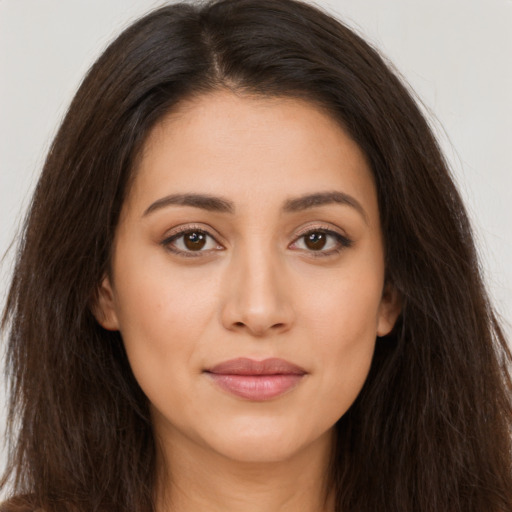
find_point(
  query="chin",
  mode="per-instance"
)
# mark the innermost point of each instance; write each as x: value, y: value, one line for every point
x: 259, y: 443
x: 258, y: 451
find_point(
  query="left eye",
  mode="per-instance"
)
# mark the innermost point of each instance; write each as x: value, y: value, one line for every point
x: 193, y: 240
x: 321, y: 241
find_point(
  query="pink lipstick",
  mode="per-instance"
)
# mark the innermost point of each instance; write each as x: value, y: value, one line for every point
x: 256, y: 380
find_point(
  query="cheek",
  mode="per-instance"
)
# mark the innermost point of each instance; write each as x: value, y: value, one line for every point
x: 343, y: 324
x: 154, y: 295
x: 162, y: 316
x: 344, y: 305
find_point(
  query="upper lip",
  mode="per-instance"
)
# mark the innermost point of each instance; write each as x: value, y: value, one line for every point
x: 247, y: 366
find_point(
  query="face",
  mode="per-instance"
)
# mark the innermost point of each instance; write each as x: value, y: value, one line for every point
x: 248, y: 275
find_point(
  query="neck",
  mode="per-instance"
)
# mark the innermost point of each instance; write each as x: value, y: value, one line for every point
x: 199, y: 479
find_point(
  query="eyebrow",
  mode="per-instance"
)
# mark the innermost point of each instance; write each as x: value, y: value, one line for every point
x: 218, y: 204
x: 203, y: 201
x: 323, y: 198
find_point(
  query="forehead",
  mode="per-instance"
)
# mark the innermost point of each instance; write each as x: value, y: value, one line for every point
x: 251, y: 149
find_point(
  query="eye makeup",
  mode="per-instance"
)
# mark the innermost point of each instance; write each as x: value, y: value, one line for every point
x: 196, y: 241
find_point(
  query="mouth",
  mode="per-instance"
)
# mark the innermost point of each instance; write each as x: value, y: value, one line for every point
x: 256, y: 380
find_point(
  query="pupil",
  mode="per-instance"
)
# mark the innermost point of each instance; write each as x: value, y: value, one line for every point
x: 195, y: 241
x: 316, y: 241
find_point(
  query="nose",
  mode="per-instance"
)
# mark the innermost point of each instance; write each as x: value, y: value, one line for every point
x: 257, y: 297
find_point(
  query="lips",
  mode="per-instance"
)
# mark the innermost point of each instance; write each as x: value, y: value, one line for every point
x: 256, y: 380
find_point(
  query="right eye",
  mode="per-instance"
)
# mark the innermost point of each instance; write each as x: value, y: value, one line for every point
x: 191, y: 242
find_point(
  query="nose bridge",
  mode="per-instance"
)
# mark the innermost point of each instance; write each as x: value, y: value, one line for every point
x: 256, y: 298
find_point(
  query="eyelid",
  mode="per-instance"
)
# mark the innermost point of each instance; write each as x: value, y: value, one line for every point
x: 319, y: 226
x: 175, y: 233
x: 343, y: 240
x: 179, y: 231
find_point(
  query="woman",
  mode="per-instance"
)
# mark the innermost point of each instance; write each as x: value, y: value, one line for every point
x: 247, y: 282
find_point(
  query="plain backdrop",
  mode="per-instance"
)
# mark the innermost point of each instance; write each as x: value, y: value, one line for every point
x: 456, y: 55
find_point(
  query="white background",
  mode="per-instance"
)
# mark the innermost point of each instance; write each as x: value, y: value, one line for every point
x: 456, y: 54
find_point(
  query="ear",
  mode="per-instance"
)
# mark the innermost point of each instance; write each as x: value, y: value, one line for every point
x: 389, y: 309
x: 103, y: 306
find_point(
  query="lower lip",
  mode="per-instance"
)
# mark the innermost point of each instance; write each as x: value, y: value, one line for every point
x: 256, y: 387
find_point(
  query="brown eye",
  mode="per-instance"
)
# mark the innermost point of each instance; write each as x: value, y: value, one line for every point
x: 321, y: 242
x: 315, y: 240
x: 191, y: 242
x: 194, y: 241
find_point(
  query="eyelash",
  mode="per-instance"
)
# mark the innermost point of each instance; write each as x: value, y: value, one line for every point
x: 342, y: 241
x: 180, y: 233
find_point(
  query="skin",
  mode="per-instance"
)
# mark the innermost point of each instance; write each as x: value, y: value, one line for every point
x: 255, y: 289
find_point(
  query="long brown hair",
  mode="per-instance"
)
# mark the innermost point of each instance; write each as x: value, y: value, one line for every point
x: 431, y: 429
